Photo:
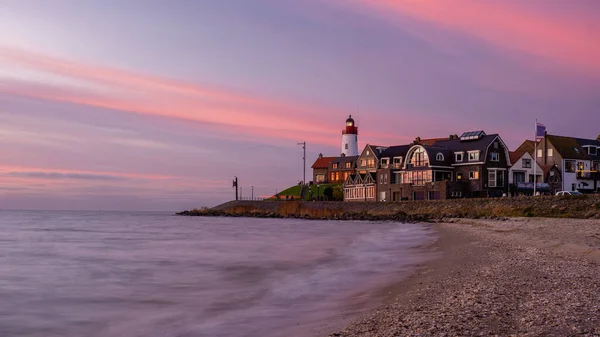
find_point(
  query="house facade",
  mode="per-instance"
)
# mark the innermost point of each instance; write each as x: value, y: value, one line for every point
x: 472, y: 165
x: 576, y: 159
x: 321, y: 169
x: 521, y: 175
x: 340, y: 168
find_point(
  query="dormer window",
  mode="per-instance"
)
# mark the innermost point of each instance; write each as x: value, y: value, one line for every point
x: 334, y: 165
x: 439, y: 157
x: 494, y: 156
x: 385, y: 162
x: 458, y: 156
x: 593, y: 150
x: 473, y: 155
x: 348, y: 164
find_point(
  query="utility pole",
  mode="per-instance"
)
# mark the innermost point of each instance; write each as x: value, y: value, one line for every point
x: 304, y: 162
x: 235, y: 184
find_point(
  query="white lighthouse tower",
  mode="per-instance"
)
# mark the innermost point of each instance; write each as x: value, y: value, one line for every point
x: 350, y: 138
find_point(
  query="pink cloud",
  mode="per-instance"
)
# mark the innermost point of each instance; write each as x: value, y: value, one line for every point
x: 505, y: 25
x: 221, y: 110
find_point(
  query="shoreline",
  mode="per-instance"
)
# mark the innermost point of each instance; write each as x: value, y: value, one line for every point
x: 523, y: 276
x: 580, y: 207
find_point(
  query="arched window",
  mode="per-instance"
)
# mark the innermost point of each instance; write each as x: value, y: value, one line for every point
x: 418, y: 157
x: 346, y: 146
x: 439, y: 157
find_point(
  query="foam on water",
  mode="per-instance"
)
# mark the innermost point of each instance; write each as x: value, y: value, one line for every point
x: 153, y: 274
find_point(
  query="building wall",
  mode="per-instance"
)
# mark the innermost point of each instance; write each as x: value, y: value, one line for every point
x: 319, y: 171
x: 518, y: 167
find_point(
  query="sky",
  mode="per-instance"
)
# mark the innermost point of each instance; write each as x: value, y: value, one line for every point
x: 157, y: 105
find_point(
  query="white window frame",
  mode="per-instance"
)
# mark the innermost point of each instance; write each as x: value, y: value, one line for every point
x: 540, y: 153
x: 474, y: 155
x: 496, y: 155
x: 461, y: 154
x: 549, y: 152
x: 523, y: 163
x: 492, y: 182
x: 439, y: 157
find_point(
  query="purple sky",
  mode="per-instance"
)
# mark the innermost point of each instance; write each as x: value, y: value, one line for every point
x: 156, y: 105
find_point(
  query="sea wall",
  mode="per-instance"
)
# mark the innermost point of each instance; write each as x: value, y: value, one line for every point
x: 583, y: 207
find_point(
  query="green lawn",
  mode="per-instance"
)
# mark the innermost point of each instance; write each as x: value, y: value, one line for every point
x: 296, y: 191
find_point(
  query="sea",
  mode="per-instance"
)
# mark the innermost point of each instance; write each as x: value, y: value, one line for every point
x: 154, y: 274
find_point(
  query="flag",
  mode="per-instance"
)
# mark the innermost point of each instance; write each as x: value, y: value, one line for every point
x: 540, y: 131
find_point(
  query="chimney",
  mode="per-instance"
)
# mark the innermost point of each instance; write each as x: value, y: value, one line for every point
x: 417, y: 140
x: 320, y: 155
x: 598, y: 138
x: 343, y: 154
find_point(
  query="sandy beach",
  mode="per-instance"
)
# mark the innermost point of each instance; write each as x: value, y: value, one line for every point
x: 518, y: 277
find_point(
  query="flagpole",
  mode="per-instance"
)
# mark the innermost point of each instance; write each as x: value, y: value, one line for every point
x: 535, y: 157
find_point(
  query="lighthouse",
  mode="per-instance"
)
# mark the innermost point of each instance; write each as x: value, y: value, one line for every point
x: 350, y: 138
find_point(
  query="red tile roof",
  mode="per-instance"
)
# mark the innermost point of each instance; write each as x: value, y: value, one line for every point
x: 515, y: 156
x: 322, y: 162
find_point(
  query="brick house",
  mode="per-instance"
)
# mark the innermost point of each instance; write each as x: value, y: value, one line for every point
x: 472, y: 165
x: 321, y: 169
x: 340, y: 168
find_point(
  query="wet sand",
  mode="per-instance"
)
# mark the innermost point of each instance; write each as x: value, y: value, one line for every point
x: 520, y: 277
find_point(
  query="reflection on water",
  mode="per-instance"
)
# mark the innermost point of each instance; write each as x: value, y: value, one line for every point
x: 153, y: 274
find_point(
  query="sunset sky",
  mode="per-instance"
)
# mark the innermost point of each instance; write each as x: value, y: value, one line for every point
x: 156, y: 105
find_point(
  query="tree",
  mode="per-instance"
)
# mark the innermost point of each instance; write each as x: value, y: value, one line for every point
x: 338, y: 194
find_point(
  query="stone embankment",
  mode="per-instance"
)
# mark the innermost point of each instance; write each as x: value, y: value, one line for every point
x: 583, y: 207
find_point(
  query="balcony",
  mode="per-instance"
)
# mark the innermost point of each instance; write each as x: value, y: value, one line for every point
x: 588, y: 175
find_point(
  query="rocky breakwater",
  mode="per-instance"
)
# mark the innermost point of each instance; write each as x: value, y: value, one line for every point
x: 583, y: 207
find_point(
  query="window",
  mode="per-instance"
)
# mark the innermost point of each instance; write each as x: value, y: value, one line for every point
x: 337, y: 176
x: 380, y: 178
x: 474, y: 175
x: 371, y: 162
x: 385, y: 162
x: 334, y: 165
x: 397, y: 160
x: 540, y: 152
x: 419, y: 158
x: 418, y: 177
x: 348, y: 165
x: 363, y: 162
x: 494, y: 156
x: 569, y: 166
x: 499, y: 179
x: 526, y: 163
x: 458, y: 176
x: 549, y: 152
x: 474, y: 156
x: 458, y: 156
x: 346, y: 146
x: 495, y: 145
x: 593, y: 150
x: 368, y: 152
x: 346, y: 174
x: 439, y: 157
x: 320, y: 178
x: 492, y: 178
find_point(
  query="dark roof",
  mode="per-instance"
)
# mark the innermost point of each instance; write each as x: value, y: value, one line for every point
x: 350, y: 120
x: 567, y: 147
x: 456, y: 145
x: 395, y: 151
x: 593, y: 142
x: 432, y: 152
x: 322, y: 162
x: 344, y: 159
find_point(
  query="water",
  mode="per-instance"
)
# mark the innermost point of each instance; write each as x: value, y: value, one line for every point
x: 152, y: 274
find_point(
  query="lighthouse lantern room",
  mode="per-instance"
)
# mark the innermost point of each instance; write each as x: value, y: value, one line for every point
x: 350, y: 138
